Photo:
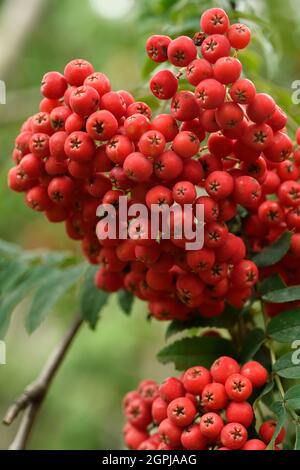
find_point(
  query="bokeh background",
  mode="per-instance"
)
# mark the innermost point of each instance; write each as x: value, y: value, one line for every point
x: 83, y: 408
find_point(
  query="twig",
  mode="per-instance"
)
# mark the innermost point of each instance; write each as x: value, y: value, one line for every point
x: 33, y: 396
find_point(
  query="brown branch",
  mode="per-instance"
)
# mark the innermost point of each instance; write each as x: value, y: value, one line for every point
x: 34, y: 394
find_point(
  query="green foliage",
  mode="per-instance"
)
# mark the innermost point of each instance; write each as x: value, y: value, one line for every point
x: 273, y: 253
x: 281, y: 296
x: 285, y: 367
x: 280, y: 414
x: 253, y: 340
x: 189, y: 352
x: 125, y: 300
x: 285, y: 327
x: 292, y: 397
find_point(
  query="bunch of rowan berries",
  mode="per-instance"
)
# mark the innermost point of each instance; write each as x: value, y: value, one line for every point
x: 89, y: 145
x: 201, y: 410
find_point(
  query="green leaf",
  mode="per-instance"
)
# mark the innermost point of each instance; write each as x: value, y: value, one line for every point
x: 226, y: 320
x: 149, y: 67
x: 292, y: 397
x: 281, y: 296
x: 189, y: 352
x: 287, y: 367
x: 271, y: 283
x: 125, y: 300
x: 14, y: 297
x: 11, y: 273
x: 92, y: 299
x: 251, y: 344
x: 9, y: 249
x: 285, y: 327
x: 273, y: 253
x: 52, y: 287
x: 280, y: 413
x: 297, y: 442
x: 266, y: 390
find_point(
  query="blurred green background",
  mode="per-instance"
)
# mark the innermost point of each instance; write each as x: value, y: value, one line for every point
x: 83, y: 409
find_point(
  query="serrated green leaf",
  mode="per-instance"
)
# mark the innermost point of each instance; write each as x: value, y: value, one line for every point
x: 31, y: 281
x: 287, y: 367
x: 280, y: 413
x: 273, y: 253
x: 125, y: 299
x: 92, y: 299
x: 189, y: 352
x: 285, y: 327
x: 251, y: 344
x: 281, y: 296
x: 52, y: 287
x: 292, y: 397
x: 271, y: 283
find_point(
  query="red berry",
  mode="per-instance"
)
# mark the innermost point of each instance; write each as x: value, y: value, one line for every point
x: 198, y: 70
x: 247, y: 191
x: 164, y: 84
x: 238, y: 387
x: 138, y: 414
x: 214, y: 396
x: 211, y: 425
x: 184, y: 106
x: 229, y: 115
x: 240, y: 412
x: 99, y: 81
x: 181, y: 411
x: 261, y: 108
x: 214, y: 47
x: 168, y: 165
x: 137, y: 167
x: 79, y: 146
x: 267, y: 429
x: 219, y: 185
x: 114, y: 103
x: 271, y: 213
x: 37, y: 199
x: 234, y: 436
x: 193, y: 439
x: 227, y: 70
x: 184, y: 192
x: 239, y: 36
x: 136, y: 125
x: 210, y: 93
x: 157, y: 47
x: 170, y: 433
x: 223, y: 367
x: 53, y: 85
x: 280, y: 148
x: 254, y: 444
x: 170, y: 389
x: 289, y: 193
x: 255, y: 372
x: 167, y: 125
x: 186, y: 144
x: 243, y: 91
x: 201, y: 260
x: 102, y: 125
x: 152, y: 143
x: 195, y: 379
x: 181, y: 51
x: 244, y: 274
x: 77, y: 71
x: 61, y: 190
x: 118, y: 148
x: 214, y: 21
x: 84, y: 100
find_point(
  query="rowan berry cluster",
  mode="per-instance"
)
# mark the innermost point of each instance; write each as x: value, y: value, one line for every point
x: 202, y: 410
x: 89, y: 145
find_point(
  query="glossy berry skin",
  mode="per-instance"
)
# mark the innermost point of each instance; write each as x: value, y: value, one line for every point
x: 171, y: 389
x: 118, y: 148
x: 186, y: 144
x: 211, y: 425
x: 159, y: 410
x: 60, y: 190
x: 271, y: 213
x: 80, y: 147
x: 267, y: 429
x: 214, y: 47
x: 184, y: 106
x: 102, y: 125
x: 164, y: 84
x: 223, y: 367
x: 219, y: 185
x: 214, y: 21
x: 152, y: 143
x: 99, y: 81
x: 210, y: 94
x: 280, y: 148
x: 193, y: 439
x: 240, y: 412
x: 168, y: 165
x: 229, y: 115
x: 181, y: 411
x: 198, y: 70
x: 182, y: 51
x: 239, y: 36
x: 234, y: 436
x: 238, y: 387
x: 77, y: 71
x: 114, y: 103
x: 138, y: 413
x: 244, y: 274
x: 254, y: 444
x: 184, y: 192
x: 242, y: 91
x: 137, y: 167
x: 53, y: 85
x: 247, y: 191
x: 157, y: 48
x: 167, y: 125
x: 84, y: 100
x: 261, y: 108
x: 170, y: 433
x: 255, y: 372
x: 214, y: 396
x: 227, y: 70
x: 195, y: 379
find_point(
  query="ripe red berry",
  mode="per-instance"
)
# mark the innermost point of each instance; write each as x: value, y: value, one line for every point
x: 244, y: 274
x: 168, y: 165
x: 214, y: 47
x: 138, y: 414
x: 255, y: 372
x: 184, y: 106
x: 37, y: 199
x: 184, y: 192
x: 202, y: 260
x: 157, y: 48
x: 77, y: 71
x: 261, y: 108
x: 99, y: 81
x: 181, y: 411
x: 136, y: 125
x: 198, y: 70
x: 170, y: 433
x: 152, y: 143
x: 211, y: 425
x: 195, y: 379
x: 101, y: 125
x: 271, y: 213
x: 214, y: 396
x: 214, y: 21
x: 238, y: 387
x: 84, y: 100
x: 247, y: 191
x: 137, y: 167
x: 118, y: 148
x: 210, y: 93
x: 254, y: 444
x: 229, y: 115
x: 181, y: 51
x: 280, y: 149
x: 219, y: 184
x: 61, y: 190
x: 170, y: 389
x: 186, y: 144
x: 53, y: 85
x: 167, y: 125
x: 79, y: 146
x: 267, y: 429
x: 240, y: 412
x: 164, y: 84
x: 114, y: 103
x: 227, y: 70
x: 223, y: 367
x: 243, y: 91
x: 193, y: 439
x: 239, y: 36
x: 234, y: 436
x: 289, y: 193
x: 159, y: 410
